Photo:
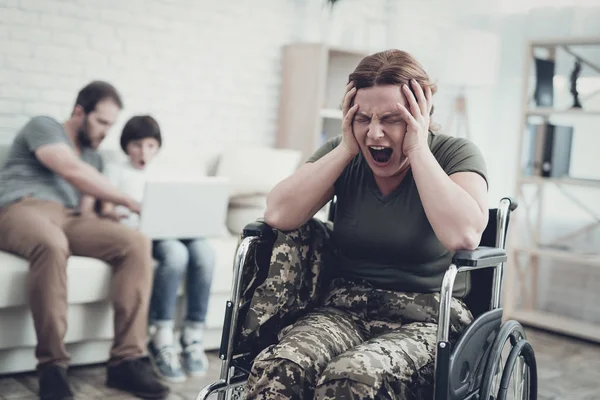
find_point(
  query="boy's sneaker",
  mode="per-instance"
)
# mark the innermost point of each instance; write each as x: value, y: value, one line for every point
x: 195, y: 361
x: 166, y: 362
x: 136, y: 377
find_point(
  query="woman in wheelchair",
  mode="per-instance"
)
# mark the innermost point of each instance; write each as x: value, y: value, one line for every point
x: 407, y: 198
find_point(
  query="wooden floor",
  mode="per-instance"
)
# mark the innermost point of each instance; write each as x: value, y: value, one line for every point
x: 568, y: 370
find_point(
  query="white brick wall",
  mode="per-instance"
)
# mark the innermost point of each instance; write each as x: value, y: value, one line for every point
x: 208, y: 70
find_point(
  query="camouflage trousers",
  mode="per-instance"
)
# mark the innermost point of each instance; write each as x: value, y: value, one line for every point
x: 363, y: 343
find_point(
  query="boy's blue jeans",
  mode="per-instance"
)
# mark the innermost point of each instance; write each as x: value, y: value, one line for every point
x: 192, y: 259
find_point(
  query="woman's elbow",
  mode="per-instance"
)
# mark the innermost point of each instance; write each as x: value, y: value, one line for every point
x: 271, y: 217
x: 470, y: 237
x: 468, y: 240
x: 277, y: 219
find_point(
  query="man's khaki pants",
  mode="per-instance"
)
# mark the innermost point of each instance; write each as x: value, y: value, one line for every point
x: 46, y: 234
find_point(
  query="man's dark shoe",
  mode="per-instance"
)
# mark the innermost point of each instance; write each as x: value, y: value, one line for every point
x: 54, y: 384
x: 136, y: 377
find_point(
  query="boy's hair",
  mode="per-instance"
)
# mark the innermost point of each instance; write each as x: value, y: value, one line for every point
x: 140, y: 127
x: 94, y: 92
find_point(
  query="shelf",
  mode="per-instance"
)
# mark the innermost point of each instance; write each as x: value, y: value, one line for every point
x: 573, y: 41
x: 560, y: 181
x: 572, y: 257
x: 341, y: 51
x: 546, y: 112
x: 331, y: 113
x: 529, y: 282
x: 557, y: 323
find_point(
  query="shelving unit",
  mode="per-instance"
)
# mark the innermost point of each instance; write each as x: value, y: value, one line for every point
x: 527, y: 249
x: 313, y: 79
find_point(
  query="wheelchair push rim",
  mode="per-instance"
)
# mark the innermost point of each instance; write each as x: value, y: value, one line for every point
x: 516, y: 378
x: 520, y: 365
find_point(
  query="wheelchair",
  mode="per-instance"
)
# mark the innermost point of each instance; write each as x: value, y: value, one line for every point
x: 490, y: 360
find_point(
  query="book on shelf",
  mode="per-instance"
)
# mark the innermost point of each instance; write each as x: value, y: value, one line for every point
x: 548, y: 150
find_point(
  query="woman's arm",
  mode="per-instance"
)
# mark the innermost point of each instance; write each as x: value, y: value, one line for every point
x: 297, y: 198
x: 456, y: 205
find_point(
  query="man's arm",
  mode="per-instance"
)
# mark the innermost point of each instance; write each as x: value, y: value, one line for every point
x: 61, y: 159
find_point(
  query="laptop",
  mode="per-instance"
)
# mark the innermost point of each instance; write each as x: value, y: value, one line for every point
x: 185, y: 209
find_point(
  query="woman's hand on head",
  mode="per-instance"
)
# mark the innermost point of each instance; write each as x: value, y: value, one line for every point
x: 348, y: 139
x: 416, y: 116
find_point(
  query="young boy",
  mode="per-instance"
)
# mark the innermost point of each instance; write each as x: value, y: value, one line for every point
x: 141, y: 141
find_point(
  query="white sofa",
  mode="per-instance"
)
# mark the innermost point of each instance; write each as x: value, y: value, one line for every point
x: 90, y: 327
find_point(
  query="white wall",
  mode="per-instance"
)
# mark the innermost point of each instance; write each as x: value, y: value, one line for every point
x: 206, y: 70
x: 516, y: 30
x: 494, y: 111
x: 209, y: 71
x: 495, y: 119
x: 564, y: 287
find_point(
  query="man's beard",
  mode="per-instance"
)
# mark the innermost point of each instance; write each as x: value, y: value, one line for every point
x: 82, y: 136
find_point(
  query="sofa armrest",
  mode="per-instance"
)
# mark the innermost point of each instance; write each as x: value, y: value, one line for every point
x: 259, y: 229
x: 480, y: 258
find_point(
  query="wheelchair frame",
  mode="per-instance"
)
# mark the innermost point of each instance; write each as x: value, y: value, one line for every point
x: 465, y: 372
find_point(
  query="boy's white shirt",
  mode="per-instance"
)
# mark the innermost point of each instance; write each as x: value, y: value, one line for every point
x: 131, y: 181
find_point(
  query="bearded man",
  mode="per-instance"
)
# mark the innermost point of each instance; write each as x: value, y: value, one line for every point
x: 49, y: 186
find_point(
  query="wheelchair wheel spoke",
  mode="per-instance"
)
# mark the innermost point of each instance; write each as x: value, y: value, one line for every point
x: 515, y: 383
x: 512, y: 374
x: 517, y: 379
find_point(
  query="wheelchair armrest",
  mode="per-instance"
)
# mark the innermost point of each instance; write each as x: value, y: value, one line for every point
x: 260, y: 229
x: 481, y: 257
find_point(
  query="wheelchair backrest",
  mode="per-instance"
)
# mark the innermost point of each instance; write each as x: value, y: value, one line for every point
x: 482, y: 280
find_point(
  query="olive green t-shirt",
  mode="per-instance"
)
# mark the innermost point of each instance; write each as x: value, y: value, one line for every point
x: 388, y: 240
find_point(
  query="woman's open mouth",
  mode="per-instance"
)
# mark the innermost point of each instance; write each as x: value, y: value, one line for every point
x: 381, y: 155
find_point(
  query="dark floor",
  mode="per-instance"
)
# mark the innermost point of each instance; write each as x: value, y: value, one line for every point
x: 568, y: 370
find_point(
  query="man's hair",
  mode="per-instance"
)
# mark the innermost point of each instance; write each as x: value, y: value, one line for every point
x: 94, y: 92
x: 140, y: 127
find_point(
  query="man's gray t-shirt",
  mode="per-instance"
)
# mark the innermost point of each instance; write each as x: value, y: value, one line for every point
x: 24, y: 175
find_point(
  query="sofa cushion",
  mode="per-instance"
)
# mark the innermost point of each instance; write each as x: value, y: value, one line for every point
x: 249, y: 201
x: 181, y: 163
x: 251, y: 170
x: 239, y: 217
x: 88, y: 280
x: 88, y: 321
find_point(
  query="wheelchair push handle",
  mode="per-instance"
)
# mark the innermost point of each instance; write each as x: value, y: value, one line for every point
x: 513, y: 203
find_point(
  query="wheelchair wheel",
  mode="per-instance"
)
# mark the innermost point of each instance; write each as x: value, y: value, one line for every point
x: 515, y: 378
